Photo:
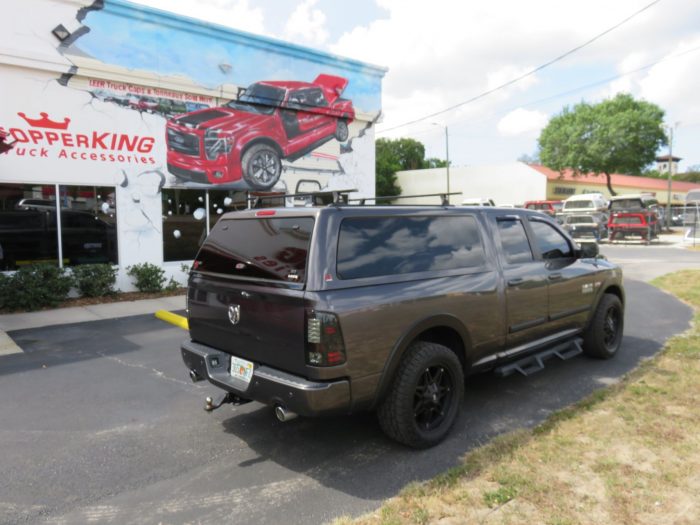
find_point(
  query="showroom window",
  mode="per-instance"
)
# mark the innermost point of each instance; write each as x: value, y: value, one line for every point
x: 29, y: 231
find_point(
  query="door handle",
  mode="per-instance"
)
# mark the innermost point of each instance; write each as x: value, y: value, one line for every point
x: 515, y: 282
x: 554, y: 276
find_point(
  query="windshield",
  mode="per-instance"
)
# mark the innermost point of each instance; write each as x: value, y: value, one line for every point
x: 626, y: 204
x: 578, y: 204
x: 580, y: 220
x: 258, y: 98
x: 557, y: 206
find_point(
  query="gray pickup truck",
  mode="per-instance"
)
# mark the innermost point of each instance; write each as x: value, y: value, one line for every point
x: 340, y: 309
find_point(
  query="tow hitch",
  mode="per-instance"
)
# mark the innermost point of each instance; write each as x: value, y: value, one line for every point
x: 228, y: 397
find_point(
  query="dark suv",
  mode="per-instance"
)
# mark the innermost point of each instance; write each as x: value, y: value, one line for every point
x: 344, y: 308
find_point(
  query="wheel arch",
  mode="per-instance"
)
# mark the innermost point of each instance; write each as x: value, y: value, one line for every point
x: 444, y: 329
x: 262, y: 140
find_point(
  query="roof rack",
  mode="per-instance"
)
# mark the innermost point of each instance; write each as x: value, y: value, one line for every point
x: 340, y: 197
x: 444, y: 198
x: 323, y: 198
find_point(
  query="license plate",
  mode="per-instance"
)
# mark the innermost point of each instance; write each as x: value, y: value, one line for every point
x: 241, y: 369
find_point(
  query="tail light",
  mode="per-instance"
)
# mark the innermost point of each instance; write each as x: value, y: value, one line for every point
x: 324, y: 340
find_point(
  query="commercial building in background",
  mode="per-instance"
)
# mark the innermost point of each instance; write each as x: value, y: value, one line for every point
x: 133, y: 130
x: 516, y: 183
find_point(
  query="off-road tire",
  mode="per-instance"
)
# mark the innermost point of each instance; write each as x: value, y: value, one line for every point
x: 402, y: 412
x: 603, y: 336
x: 261, y: 166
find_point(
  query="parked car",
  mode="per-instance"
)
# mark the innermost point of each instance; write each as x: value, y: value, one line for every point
x: 551, y: 208
x: 639, y: 203
x: 478, y: 201
x: 585, y: 227
x: 249, y: 137
x: 626, y: 224
x: 28, y: 235
x: 340, y: 309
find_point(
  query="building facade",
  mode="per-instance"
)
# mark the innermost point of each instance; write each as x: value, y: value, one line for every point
x: 133, y: 130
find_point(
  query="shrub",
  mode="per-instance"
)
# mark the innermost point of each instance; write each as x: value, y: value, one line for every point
x: 95, y: 280
x: 37, y: 286
x: 148, y: 277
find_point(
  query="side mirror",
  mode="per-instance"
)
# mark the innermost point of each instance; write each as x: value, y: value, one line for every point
x: 589, y: 250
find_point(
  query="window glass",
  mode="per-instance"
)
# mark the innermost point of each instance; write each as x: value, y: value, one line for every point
x: 373, y: 246
x: 627, y: 219
x: 578, y: 204
x: 27, y: 225
x: 258, y: 248
x: 514, y: 243
x: 184, y: 223
x: 88, y: 225
x: 551, y: 243
x: 221, y: 202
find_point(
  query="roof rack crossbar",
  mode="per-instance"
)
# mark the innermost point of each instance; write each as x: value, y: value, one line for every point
x: 444, y: 197
x: 338, y: 196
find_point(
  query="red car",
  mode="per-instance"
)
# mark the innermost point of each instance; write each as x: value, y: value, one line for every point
x: 248, y: 137
x: 550, y: 208
x: 642, y: 223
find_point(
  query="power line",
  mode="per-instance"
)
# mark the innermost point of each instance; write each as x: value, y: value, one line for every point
x: 529, y: 73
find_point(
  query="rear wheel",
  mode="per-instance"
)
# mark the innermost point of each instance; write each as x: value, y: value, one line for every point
x: 424, y: 399
x: 261, y: 167
x: 604, y: 335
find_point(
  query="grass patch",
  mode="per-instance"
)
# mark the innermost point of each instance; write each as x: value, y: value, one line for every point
x: 629, y: 453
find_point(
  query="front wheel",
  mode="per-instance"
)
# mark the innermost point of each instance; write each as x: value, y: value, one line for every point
x: 603, y: 337
x: 261, y: 167
x: 423, y: 402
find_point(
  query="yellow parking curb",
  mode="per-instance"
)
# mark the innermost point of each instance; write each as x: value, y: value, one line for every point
x: 177, y: 320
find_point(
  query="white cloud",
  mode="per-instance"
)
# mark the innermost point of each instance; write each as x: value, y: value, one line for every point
x: 307, y: 25
x: 522, y: 122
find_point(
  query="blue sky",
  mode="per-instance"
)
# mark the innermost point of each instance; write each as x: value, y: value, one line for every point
x: 443, y: 52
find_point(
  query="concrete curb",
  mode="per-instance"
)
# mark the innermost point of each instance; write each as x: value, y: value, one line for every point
x: 96, y: 312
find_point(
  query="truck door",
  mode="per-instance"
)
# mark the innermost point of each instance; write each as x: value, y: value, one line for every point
x: 571, y: 282
x: 525, y: 283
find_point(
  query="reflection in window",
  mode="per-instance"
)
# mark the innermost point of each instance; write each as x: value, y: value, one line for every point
x: 27, y: 225
x: 550, y: 242
x: 184, y: 223
x: 221, y: 202
x: 373, y: 246
x: 88, y: 225
x: 516, y: 247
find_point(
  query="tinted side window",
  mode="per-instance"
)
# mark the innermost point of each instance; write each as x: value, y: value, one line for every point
x: 550, y: 242
x: 373, y: 246
x: 514, y: 243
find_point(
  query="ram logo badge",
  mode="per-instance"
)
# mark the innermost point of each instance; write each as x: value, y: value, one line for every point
x: 234, y: 313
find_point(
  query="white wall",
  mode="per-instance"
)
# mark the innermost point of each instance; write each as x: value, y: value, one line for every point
x: 508, y: 183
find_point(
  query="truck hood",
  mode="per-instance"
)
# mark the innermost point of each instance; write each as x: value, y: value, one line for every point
x: 225, y: 118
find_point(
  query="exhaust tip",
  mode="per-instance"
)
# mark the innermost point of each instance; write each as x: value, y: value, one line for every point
x: 283, y: 414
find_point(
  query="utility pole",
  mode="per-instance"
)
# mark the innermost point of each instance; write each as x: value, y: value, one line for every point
x: 447, y: 158
x: 670, y: 177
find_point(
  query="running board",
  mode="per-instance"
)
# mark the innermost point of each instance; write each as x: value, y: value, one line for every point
x: 534, y: 363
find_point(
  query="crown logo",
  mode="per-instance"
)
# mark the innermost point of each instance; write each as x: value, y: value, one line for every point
x: 45, y: 121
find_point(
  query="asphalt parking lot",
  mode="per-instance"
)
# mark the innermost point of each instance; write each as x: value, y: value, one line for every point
x: 100, y: 424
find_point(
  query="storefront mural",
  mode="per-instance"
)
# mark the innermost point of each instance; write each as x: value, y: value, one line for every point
x: 173, y: 114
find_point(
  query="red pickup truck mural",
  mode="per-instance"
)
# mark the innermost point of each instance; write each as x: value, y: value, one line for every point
x: 249, y: 137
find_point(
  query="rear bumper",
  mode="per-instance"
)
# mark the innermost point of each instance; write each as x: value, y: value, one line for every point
x: 268, y: 385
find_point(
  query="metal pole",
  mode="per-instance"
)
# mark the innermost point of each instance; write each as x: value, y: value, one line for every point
x: 670, y: 177
x: 58, y: 225
x: 447, y: 159
x: 206, y: 207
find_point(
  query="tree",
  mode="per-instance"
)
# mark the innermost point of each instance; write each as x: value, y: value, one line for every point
x: 397, y: 155
x: 617, y: 135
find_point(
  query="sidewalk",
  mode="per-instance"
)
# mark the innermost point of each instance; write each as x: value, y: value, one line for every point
x: 81, y: 314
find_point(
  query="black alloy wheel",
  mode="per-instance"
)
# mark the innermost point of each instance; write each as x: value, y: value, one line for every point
x: 433, y: 397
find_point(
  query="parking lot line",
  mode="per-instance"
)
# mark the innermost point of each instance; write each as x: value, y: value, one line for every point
x: 7, y: 345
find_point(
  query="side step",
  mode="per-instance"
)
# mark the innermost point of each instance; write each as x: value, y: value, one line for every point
x: 534, y: 363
